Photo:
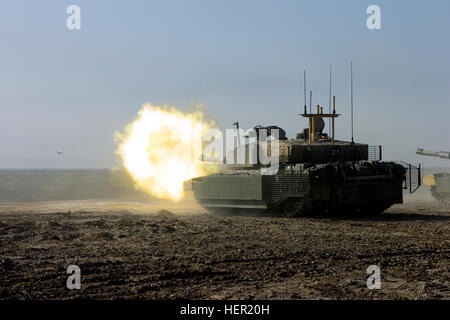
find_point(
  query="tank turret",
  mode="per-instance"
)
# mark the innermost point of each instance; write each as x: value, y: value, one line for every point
x: 439, y: 183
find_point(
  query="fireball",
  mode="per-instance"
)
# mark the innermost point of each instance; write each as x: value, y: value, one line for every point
x: 162, y: 148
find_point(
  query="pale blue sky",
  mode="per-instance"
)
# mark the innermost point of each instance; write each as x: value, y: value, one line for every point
x: 243, y: 60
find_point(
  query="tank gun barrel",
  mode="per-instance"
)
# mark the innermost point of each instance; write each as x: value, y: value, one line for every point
x: 440, y: 154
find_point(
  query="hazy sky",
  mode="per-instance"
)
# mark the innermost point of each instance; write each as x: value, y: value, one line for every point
x: 244, y: 60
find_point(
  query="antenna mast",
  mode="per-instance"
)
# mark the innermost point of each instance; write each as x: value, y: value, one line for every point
x: 329, y: 104
x: 351, y: 95
x: 304, y: 87
x: 310, y: 101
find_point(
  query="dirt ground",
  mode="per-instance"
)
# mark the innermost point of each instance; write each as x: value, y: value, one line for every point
x: 129, y: 250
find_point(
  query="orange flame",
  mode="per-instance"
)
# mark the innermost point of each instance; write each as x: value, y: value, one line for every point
x: 162, y: 148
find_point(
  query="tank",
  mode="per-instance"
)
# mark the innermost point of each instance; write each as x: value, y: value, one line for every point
x: 316, y: 174
x: 439, y: 183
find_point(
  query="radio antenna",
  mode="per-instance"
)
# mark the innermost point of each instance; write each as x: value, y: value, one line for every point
x: 351, y: 95
x: 304, y: 87
x: 310, y: 101
x: 329, y: 104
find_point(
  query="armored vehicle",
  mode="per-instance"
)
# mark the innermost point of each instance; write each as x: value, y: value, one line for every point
x: 316, y: 174
x: 440, y: 182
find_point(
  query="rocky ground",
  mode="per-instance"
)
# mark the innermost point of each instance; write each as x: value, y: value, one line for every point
x: 156, y: 252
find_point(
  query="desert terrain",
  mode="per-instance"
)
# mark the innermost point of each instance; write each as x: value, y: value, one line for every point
x: 158, y: 250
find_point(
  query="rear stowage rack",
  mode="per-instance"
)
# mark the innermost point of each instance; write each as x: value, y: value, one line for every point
x: 413, y: 176
x: 375, y: 153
